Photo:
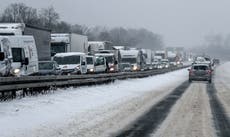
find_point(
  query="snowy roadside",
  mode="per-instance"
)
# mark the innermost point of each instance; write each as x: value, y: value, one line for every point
x: 77, y: 111
x: 222, y: 80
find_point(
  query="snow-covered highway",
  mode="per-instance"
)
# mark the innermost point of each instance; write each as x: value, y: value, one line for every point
x: 103, y: 109
x: 125, y: 108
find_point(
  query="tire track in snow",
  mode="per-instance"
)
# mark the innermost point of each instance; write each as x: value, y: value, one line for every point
x: 148, y: 123
x: 221, y: 121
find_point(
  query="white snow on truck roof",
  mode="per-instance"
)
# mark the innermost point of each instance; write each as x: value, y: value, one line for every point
x: 69, y: 54
x: 129, y: 52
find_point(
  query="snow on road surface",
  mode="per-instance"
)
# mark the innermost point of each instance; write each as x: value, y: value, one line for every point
x: 191, y: 116
x: 222, y: 80
x: 86, y: 111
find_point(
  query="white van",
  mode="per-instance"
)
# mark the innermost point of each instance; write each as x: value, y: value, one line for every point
x: 18, y: 56
x: 72, y: 62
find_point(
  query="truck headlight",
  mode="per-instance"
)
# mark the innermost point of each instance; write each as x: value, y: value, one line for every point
x: 91, y: 70
x: 111, y: 69
x: 134, y: 67
x: 16, y: 71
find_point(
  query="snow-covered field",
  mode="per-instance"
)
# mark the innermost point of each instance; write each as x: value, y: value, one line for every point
x: 86, y: 111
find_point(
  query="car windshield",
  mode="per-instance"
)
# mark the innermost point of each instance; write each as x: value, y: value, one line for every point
x: 99, y: 61
x: 67, y: 60
x: 129, y: 60
x: 89, y: 60
x: 125, y: 65
x: 200, y: 67
x: 45, y: 65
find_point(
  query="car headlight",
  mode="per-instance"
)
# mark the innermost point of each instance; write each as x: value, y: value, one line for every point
x: 16, y: 71
x: 134, y: 67
x: 111, y: 69
x: 77, y: 68
x: 91, y: 70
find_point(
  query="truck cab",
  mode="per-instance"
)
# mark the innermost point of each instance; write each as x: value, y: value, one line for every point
x: 110, y: 59
x: 5, y: 60
x: 133, y: 57
x: 18, y: 55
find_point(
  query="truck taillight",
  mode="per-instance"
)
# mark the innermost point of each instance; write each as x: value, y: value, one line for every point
x: 209, y: 71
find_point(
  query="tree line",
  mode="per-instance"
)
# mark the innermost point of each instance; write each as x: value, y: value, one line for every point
x: 50, y: 19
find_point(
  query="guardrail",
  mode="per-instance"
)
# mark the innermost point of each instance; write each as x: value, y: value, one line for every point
x: 28, y: 83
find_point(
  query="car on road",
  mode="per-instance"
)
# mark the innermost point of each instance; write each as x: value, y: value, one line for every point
x: 200, y: 72
x: 49, y: 68
x: 126, y: 67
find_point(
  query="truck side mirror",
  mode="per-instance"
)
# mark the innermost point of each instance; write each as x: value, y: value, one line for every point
x: 2, y: 56
x: 83, y: 63
x: 26, y: 61
x: 53, y: 54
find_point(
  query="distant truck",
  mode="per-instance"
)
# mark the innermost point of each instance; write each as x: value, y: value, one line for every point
x: 18, y: 56
x: 160, y: 54
x: 172, y: 57
x: 148, y: 58
x: 41, y: 36
x: 68, y: 42
x: 95, y: 46
x: 133, y: 57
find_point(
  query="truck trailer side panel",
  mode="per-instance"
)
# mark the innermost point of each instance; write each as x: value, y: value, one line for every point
x: 42, y: 40
x: 78, y: 43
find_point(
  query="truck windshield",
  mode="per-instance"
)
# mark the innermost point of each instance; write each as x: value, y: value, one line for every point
x: 109, y: 59
x: 89, y: 60
x: 129, y: 60
x: 67, y: 60
x: 46, y: 65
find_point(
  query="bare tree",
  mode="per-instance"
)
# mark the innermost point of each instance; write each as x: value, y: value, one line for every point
x: 49, y: 17
x: 19, y: 12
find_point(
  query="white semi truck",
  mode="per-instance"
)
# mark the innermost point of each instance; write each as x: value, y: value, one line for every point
x: 18, y: 56
x: 41, y: 36
x: 68, y: 42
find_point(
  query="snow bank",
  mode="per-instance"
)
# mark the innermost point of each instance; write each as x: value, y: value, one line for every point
x: 19, y: 116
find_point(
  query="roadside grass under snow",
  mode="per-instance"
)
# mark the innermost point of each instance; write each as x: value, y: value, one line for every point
x: 31, y: 112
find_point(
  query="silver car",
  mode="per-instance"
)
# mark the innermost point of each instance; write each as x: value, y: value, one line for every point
x: 200, y: 72
x: 49, y: 68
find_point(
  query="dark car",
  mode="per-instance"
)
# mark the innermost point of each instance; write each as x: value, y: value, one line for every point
x: 49, y: 68
x: 200, y: 72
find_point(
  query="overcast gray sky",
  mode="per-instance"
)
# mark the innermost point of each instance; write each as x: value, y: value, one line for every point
x: 180, y: 22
